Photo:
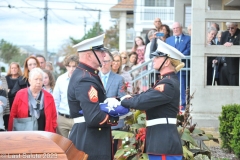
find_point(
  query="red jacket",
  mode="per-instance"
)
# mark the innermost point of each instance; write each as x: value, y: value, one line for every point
x: 20, y: 109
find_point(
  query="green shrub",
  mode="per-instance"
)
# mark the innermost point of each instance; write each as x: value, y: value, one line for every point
x: 235, y: 142
x: 226, y: 119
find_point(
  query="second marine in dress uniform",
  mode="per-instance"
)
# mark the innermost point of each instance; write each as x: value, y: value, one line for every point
x: 161, y: 104
x: 91, y: 133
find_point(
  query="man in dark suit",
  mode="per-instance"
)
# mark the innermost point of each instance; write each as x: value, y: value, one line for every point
x: 182, y: 43
x: 229, y: 66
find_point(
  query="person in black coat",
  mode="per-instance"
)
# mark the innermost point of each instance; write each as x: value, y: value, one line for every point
x: 161, y: 104
x: 91, y: 131
x: 229, y: 66
x: 12, y: 76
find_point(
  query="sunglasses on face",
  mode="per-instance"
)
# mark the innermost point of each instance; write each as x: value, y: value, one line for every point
x: 230, y: 28
x: 124, y: 57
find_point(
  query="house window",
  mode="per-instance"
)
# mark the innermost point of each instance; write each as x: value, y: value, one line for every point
x: 159, y: 3
x: 188, y: 13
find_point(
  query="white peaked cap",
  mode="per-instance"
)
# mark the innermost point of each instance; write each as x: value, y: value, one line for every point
x: 90, y: 43
x: 165, y: 50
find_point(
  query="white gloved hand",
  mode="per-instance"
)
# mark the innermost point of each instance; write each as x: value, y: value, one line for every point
x: 126, y: 96
x: 112, y: 102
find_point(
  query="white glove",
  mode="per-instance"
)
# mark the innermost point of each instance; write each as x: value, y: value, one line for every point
x: 112, y: 102
x: 126, y: 96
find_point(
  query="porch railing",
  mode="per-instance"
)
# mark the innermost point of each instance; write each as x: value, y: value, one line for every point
x: 147, y: 77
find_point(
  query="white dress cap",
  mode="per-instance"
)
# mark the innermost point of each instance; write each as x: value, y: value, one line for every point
x: 165, y: 50
x: 90, y: 43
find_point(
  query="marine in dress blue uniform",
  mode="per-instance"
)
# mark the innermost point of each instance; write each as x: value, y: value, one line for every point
x: 91, y: 131
x: 161, y: 104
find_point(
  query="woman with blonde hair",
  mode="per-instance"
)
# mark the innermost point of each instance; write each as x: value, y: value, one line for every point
x: 12, y: 77
x: 22, y: 82
x: 125, y: 61
x: 117, y: 68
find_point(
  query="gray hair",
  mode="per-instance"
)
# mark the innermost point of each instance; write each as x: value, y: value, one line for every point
x: 212, y: 29
x: 36, y: 71
x: 151, y: 33
x: 231, y: 23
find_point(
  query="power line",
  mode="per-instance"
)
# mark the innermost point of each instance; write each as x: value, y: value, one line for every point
x: 10, y: 6
x: 29, y: 4
x: 61, y: 18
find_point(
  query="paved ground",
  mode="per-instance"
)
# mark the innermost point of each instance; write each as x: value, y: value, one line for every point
x: 218, y: 153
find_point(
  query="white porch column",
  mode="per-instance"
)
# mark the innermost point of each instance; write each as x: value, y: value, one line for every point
x: 122, y: 31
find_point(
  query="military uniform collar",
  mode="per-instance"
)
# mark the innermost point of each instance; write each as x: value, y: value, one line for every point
x: 167, y: 75
x: 88, y: 68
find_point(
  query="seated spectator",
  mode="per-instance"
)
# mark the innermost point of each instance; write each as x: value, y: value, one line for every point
x: 26, y: 103
x: 48, y: 81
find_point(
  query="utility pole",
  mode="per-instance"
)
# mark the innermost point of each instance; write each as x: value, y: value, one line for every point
x: 45, y: 30
x: 99, y: 16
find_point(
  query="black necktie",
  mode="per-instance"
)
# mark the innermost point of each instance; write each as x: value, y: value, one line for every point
x: 177, y: 42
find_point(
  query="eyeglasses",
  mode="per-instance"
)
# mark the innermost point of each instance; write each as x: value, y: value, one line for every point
x: 230, y: 28
x: 157, y: 21
x: 116, y: 61
x: 124, y: 57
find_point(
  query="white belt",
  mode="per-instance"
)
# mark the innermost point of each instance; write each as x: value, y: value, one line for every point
x: 156, y: 121
x: 79, y: 120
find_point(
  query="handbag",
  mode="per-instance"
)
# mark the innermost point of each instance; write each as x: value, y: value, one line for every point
x: 25, y: 124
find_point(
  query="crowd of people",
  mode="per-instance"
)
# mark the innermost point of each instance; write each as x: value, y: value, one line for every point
x: 95, y: 76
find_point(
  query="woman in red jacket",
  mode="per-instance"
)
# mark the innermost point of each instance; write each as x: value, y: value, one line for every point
x: 34, y: 101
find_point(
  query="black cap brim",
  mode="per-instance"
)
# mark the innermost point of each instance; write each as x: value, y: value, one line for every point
x: 158, y: 54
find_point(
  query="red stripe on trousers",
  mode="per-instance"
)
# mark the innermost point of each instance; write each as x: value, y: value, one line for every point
x: 163, y: 157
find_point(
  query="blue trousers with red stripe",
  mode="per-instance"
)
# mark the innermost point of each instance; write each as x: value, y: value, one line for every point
x: 163, y: 157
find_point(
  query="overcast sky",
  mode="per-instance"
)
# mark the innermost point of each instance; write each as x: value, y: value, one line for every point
x: 23, y: 24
